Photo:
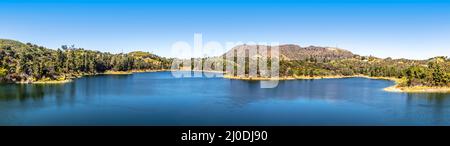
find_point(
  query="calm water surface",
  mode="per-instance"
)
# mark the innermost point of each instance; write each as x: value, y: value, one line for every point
x: 160, y: 99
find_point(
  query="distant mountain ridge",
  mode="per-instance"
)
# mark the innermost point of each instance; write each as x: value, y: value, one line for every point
x: 295, y: 52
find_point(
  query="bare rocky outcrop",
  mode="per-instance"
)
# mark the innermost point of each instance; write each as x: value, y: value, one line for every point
x: 295, y: 52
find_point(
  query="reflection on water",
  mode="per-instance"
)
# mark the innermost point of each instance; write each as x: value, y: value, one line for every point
x: 431, y: 106
x: 25, y: 93
x: 160, y: 99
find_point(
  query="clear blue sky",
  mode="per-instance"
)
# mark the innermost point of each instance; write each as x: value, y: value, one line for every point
x: 416, y: 29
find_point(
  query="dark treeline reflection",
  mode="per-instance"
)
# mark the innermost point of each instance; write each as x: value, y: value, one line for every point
x: 434, y: 107
x: 18, y: 98
x: 244, y: 92
x: 35, y: 92
x: 441, y: 99
x: 86, y: 87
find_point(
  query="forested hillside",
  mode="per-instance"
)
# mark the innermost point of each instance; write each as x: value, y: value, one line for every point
x: 431, y: 72
x: 307, y: 62
x: 28, y: 62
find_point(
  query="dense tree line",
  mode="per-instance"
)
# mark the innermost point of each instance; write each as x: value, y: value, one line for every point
x: 431, y: 72
x: 29, y: 62
x: 435, y: 73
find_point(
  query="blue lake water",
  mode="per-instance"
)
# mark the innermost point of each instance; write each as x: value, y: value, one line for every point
x: 160, y: 99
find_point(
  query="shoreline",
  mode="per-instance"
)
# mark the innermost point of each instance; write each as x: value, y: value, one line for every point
x: 394, y: 88
x: 68, y: 80
x: 144, y: 71
x: 417, y: 89
x: 116, y: 73
x: 46, y: 82
x: 310, y: 78
x: 131, y: 72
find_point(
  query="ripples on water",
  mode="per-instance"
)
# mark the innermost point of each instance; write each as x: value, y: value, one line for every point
x: 159, y: 99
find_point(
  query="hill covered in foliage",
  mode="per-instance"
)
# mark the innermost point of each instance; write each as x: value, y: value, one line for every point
x: 21, y: 62
x: 317, y: 62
